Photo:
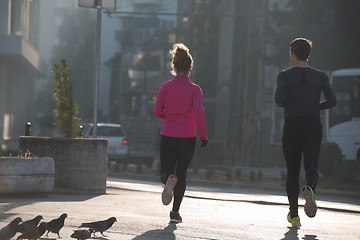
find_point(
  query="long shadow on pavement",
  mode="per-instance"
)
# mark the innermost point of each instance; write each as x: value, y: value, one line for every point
x: 13, y: 201
x: 292, y: 234
x: 166, y: 233
x: 310, y: 237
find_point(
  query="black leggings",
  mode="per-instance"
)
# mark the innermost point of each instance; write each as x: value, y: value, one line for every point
x: 301, y: 136
x: 175, y: 157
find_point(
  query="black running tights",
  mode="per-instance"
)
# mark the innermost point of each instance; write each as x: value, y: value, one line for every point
x: 301, y: 137
x: 175, y: 157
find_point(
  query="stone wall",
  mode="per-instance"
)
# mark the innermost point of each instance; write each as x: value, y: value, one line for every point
x: 80, y: 163
x: 26, y: 175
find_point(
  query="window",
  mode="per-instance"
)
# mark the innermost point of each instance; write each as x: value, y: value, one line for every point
x: 16, y: 17
x: 115, y: 131
x: 347, y: 92
x: 110, y: 131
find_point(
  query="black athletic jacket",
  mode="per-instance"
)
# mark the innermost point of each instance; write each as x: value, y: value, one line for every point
x: 299, y: 89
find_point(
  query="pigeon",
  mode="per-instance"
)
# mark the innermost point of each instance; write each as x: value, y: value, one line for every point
x: 56, y: 224
x: 81, y: 234
x: 10, y: 230
x: 29, y: 225
x: 100, y: 226
x: 35, y: 233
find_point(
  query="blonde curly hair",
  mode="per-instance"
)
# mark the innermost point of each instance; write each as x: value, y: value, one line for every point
x: 181, y: 59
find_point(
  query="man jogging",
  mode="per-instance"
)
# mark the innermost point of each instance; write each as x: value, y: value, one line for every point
x: 298, y: 91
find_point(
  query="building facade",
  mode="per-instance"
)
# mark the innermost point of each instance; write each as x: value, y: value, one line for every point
x: 21, y: 66
x: 141, y: 63
x: 240, y: 80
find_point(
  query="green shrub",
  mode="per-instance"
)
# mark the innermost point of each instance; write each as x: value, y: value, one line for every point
x: 330, y: 155
x: 346, y: 171
x: 67, y: 109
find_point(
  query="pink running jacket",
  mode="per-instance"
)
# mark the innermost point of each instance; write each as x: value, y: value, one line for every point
x: 179, y: 103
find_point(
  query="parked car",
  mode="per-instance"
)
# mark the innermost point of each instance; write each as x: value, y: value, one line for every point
x: 118, y: 145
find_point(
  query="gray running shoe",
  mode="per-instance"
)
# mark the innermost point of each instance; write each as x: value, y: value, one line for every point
x: 167, y: 193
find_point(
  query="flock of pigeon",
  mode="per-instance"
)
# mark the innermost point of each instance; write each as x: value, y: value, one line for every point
x: 31, y: 229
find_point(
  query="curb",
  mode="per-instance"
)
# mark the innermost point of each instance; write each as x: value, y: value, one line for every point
x: 227, y: 187
x: 233, y: 185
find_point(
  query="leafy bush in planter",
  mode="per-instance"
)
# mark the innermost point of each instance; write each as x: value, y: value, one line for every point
x: 67, y: 109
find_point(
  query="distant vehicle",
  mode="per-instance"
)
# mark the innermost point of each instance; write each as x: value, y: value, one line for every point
x: 118, y: 145
x: 343, y: 120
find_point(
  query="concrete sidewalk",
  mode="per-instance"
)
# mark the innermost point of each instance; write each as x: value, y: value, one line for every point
x: 208, y: 213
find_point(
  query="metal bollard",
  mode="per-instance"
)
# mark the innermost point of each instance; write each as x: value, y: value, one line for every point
x: 28, y: 129
x: 81, y: 131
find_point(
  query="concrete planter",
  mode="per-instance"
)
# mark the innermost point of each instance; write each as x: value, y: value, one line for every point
x: 80, y: 163
x: 26, y: 175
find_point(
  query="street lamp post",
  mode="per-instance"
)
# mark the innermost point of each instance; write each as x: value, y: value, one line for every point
x: 99, y: 5
x: 97, y: 66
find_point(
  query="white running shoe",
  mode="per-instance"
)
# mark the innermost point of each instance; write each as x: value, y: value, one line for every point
x: 310, y: 203
x: 167, y: 193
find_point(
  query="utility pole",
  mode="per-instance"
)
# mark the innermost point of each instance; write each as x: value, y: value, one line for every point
x: 97, y: 66
x: 262, y: 85
x: 98, y: 5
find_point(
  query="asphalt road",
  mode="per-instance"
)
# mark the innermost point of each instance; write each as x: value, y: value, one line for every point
x: 208, y: 213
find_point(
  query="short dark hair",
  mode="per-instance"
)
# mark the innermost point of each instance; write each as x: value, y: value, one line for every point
x: 301, y: 47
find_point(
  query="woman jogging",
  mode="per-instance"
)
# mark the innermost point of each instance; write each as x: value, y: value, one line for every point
x: 298, y: 91
x: 179, y: 104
